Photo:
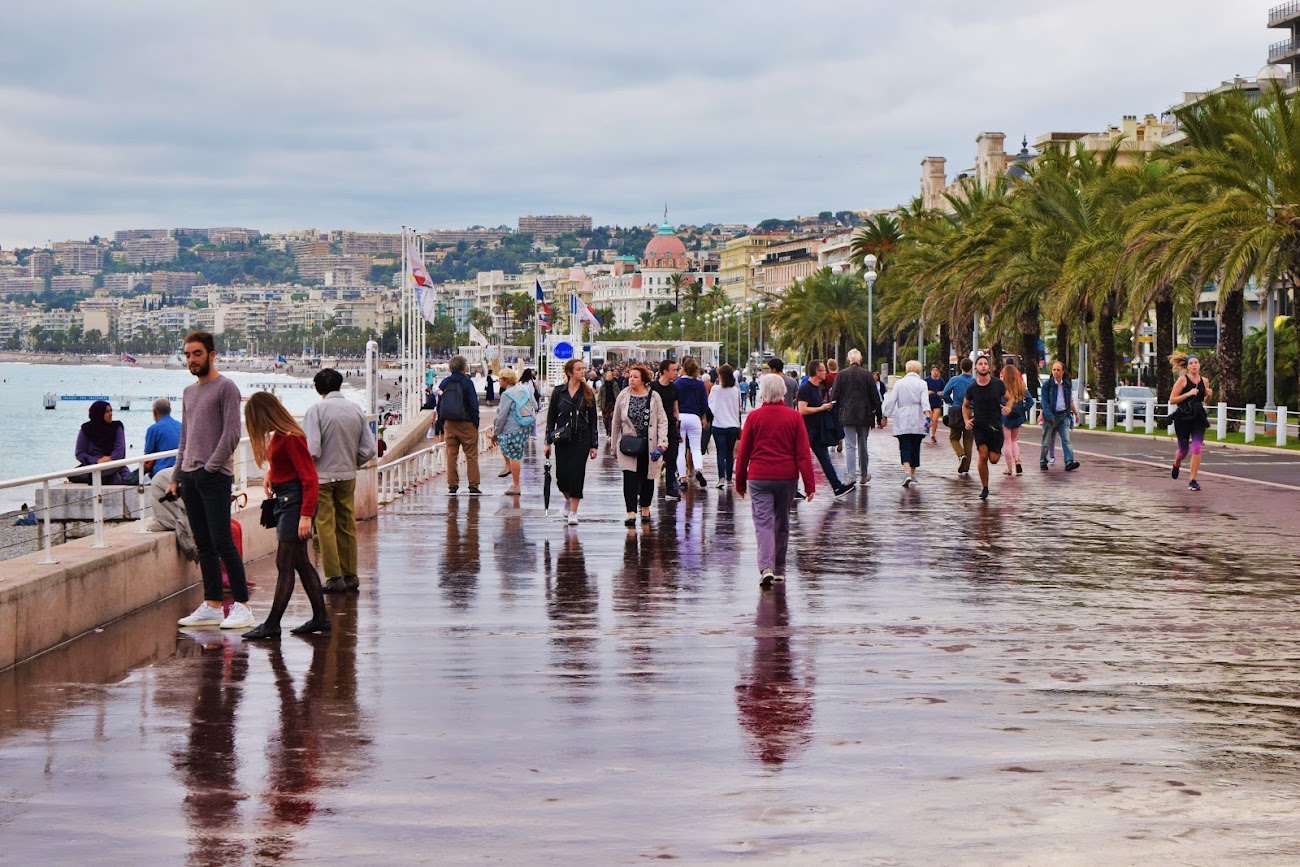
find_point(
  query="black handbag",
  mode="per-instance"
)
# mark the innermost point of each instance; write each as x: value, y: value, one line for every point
x: 268, y: 513
x: 631, y: 446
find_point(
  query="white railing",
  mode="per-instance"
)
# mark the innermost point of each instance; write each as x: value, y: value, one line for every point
x: 243, y: 455
x: 1282, y: 424
x: 399, y: 476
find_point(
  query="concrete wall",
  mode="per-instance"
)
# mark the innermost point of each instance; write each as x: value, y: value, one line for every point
x: 44, y: 605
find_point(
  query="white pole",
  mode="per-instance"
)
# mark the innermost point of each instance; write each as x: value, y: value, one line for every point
x: 401, y: 306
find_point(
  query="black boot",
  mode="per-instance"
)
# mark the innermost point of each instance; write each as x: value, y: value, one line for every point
x: 262, y: 632
x: 324, y: 627
x: 336, y: 585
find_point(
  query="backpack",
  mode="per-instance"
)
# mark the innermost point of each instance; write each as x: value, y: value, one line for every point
x: 524, y: 421
x: 452, y: 404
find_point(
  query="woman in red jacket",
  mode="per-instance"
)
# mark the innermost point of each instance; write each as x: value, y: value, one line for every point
x: 773, y: 454
x: 292, y: 478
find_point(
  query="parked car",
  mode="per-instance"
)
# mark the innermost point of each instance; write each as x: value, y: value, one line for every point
x: 1136, y: 398
x: 1087, y: 395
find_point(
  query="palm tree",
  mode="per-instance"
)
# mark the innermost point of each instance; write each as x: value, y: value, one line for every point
x: 694, y: 292
x: 821, y: 314
x: 678, y: 281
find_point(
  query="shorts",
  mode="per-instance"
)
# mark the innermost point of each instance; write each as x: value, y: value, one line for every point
x: 288, y: 509
x: 987, y: 435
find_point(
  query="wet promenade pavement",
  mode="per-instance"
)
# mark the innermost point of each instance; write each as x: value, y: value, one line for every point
x: 1096, y: 667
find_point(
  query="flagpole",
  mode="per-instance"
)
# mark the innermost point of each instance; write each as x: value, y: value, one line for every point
x: 424, y: 331
x: 401, y: 306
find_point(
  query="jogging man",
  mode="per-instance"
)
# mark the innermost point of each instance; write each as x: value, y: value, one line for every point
x: 982, y: 411
x: 205, y: 471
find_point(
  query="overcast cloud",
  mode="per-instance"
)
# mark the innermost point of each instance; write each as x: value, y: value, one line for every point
x: 282, y: 115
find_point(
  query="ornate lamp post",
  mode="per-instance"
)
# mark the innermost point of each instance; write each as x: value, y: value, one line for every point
x: 869, y: 263
x: 1276, y: 76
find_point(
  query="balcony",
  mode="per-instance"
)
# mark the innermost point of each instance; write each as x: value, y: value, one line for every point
x: 1279, y: 15
x: 1284, y: 50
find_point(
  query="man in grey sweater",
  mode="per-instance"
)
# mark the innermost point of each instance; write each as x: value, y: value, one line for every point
x: 205, y: 472
x: 340, y: 441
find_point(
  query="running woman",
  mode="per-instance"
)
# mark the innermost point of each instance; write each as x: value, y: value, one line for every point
x: 1189, y: 394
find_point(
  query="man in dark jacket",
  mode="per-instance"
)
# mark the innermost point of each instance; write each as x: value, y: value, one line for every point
x: 857, y: 400
x: 458, y: 422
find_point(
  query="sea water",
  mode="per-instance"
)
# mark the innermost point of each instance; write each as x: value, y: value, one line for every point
x: 34, y: 440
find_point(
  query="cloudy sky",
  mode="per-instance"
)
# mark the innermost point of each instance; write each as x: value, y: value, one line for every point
x: 281, y: 114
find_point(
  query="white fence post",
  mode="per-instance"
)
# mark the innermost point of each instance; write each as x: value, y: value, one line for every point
x: 1281, y: 427
x: 1220, y: 423
x: 1092, y: 413
x: 97, y: 489
x: 1151, y: 415
x: 1033, y: 414
x: 1110, y: 415
x: 49, y: 535
x: 1250, y: 422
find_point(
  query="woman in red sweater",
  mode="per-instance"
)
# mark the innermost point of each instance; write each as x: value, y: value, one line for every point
x: 773, y: 454
x: 292, y: 478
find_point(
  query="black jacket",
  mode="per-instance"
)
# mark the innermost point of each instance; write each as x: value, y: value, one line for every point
x: 856, y: 397
x: 576, y: 412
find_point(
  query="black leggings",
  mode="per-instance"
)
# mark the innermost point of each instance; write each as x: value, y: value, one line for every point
x: 637, y: 485
x: 292, y: 557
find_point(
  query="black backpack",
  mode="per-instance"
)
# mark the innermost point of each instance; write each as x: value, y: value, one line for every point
x: 452, y: 406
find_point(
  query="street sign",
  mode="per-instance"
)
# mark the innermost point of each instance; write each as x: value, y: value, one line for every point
x: 1205, y: 333
x: 564, y: 350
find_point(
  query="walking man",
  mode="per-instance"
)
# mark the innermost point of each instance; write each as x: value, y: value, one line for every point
x: 982, y: 413
x: 817, y: 418
x: 340, y: 443
x: 667, y: 391
x: 777, y: 366
x: 854, y: 392
x: 959, y: 437
x: 458, y: 423
x: 205, y: 475
x: 1060, y: 413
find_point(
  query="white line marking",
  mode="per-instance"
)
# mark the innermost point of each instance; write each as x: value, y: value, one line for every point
x: 1166, y: 466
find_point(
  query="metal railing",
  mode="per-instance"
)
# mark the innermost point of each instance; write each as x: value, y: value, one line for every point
x: 399, y: 476
x: 1282, y: 424
x: 243, y: 456
x: 1282, y: 49
x: 1283, y: 12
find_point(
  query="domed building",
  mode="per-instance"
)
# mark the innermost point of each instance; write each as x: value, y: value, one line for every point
x: 632, y: 288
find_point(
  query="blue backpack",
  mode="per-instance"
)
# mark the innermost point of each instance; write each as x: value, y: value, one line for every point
x: 524, y: 421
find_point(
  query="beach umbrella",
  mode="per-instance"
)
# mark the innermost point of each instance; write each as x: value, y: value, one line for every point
x: 546, y: 486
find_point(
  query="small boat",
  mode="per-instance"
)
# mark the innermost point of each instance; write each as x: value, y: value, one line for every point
x: 50, y: 400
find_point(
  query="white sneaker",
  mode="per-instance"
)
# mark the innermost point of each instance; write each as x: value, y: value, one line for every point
x: 204, y: 615
x: 573, y: 519
x: 239, y: 617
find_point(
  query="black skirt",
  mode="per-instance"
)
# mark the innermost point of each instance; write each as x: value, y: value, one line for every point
x: 571, y: 468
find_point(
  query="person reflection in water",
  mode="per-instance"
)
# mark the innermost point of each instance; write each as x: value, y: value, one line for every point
x: 774, y: 700
x: 460, y: 555
x: 572, y: 606
x: 208, y: 765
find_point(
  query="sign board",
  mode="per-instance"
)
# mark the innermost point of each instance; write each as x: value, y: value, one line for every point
x: 563, y: 350
x: 1205, y: 333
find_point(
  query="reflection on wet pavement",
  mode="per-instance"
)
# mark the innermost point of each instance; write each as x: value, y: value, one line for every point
x: 1088, y: 668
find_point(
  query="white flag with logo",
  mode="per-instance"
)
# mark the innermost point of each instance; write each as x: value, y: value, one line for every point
x: 418, y: 279
x: 476, y: 336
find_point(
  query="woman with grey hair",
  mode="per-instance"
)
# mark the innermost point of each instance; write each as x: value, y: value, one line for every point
x: 773, y: 455
x: 907, y: 404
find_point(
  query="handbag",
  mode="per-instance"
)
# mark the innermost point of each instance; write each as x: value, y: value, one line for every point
x: 630, y: 445
x: 267, y: 518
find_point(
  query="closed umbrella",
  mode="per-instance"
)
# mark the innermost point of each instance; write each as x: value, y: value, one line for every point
x: 546, y: 486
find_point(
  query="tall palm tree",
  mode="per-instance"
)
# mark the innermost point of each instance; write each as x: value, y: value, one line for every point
x: 821, y: 314
x: 678, y: 281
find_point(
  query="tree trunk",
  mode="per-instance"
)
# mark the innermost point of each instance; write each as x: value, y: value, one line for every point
x: 1063, y: 345
x: 961, y: 338
x: 945, y: 347
x: 1029, y: 350
x: 1295, y: 310
x: 995, y: 356
x: 1232, y: 307
x: 1164, y: 344
x: 1106, y: 351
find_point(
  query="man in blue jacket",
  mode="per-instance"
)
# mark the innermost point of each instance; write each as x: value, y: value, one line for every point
x: 162, y: 436
x: 954, y: 393
x: 1060, y: 413
x: 458, y: 423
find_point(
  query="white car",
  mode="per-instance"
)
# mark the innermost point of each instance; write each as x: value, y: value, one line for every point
x: 1136, y: 398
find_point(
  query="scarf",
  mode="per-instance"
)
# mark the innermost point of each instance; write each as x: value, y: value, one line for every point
x: 101, y: 435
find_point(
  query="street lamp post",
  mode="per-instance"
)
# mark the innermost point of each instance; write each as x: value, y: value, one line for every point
x: 869, y: 262
x: 761, y: 306
x: 1277, y: 75
x: 740, y: 317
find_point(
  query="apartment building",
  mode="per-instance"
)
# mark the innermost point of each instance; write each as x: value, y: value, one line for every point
x: 121, y: 236
x: 123, y: 283
x: 22, y: 286
x: 785, y: 262
x: 174, y: 282
x: 741, y: 264
x: 371, y: 243
x: 140, y: 251
x: 77, y: 257
x: 553, y: 226
x: 334, y: 270
x: 40, y: 264
x: 472, y: 237
x: 222, y: 235
x: 98, y: 314
x: 72, y: 283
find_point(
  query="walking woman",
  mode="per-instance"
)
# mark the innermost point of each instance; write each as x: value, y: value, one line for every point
x: 934, y: 384
x: 291, y: 478
x: 515, y: 422
x: 640, y: 425
x: 1189, y: 395
x: 1020, y: 402
x: 724, y: 403
x: 692, y: 403
x: 907, y: 404
x: 774, y: 454
x: 572, y: 427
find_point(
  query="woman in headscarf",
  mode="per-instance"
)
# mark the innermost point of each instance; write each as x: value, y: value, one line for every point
x: 102, y: 440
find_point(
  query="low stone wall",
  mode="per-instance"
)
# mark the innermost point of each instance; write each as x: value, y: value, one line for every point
x: 43, y: 605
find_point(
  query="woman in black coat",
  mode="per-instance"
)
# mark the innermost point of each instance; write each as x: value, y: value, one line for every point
x: 572, y: 428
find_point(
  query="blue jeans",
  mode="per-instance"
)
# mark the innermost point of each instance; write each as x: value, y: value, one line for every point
x: 855, y: 451
x: 1058, y: 424
x: 724, y: 440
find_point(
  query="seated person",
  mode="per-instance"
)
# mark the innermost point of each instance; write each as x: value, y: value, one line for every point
x: 102, y: 440
x: 163, y: 436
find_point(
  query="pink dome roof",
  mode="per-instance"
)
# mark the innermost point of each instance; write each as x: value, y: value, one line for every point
x: 665, y: 245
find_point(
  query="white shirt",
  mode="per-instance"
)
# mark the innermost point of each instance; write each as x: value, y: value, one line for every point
x: 724, y: 403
